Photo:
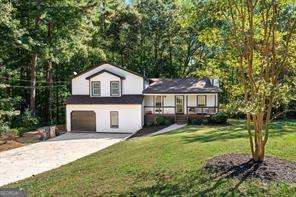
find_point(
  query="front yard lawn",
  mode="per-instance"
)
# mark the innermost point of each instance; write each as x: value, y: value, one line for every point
x: 169, y: 164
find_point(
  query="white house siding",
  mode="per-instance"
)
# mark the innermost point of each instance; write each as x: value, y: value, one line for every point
x: 130, y: 117
x: 105, y: 79
x: 132, y: 84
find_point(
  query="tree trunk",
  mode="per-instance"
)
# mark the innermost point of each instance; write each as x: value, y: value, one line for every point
x: 57, y: 94
x: 156, y: 44
x: 257, y: 142
x: 49, y: 81
x: 33, y: 71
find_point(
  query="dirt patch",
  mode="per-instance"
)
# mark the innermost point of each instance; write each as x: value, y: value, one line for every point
x: 148, y: 130
x: 28, y: 138
x: 243, y: 167
x: 31, y: 137
x: 9, y: 145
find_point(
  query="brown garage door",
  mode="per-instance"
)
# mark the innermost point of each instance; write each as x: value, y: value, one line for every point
x: 83, y: 121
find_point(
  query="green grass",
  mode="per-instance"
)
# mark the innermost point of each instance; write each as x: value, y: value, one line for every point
x: 169, y: 164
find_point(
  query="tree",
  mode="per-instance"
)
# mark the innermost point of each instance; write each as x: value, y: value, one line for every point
x: 261, y: 46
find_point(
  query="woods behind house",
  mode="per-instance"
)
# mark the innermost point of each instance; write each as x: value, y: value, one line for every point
x: 43, y: 43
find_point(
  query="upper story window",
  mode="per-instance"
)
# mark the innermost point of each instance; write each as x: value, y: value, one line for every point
x: 114, y: 88
x: 95, y: 88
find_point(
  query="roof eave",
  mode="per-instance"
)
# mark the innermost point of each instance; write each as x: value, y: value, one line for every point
x: 98, y: 65
x: 104, y: 71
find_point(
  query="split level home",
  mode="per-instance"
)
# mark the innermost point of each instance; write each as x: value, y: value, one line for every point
x: 109, y: 98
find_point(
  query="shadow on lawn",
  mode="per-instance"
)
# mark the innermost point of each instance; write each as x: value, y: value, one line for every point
x: 244, y: 170
x: 232, y: 132
x: 199, y: 183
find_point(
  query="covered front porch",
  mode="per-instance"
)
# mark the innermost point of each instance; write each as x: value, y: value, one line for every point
x: 181, y: 104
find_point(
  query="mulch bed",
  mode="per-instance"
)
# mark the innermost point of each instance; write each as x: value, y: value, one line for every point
x: 243, y: 167
x: 148, y: 130
x: 10, y: 144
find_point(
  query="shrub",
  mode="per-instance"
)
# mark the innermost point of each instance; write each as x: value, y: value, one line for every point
x: 10, y: 134
x: 4, y: 128
x: 196, y: 121
x: 161, y: 120
x: 237, y: 115
x: 26, y: 121
x: 219, y: 118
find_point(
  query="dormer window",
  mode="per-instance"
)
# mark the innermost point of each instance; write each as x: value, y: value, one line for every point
x: 114, y: 88
x: 95, y: 88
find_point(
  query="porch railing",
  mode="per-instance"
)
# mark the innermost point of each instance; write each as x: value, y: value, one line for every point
x: 202, y: 110
x: 159, y: 110
x: 189, y: 110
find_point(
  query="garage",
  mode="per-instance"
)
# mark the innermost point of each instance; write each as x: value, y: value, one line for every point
x: 83, y: 121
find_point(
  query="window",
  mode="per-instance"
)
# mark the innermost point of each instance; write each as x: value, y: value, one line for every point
x: 95, y: 88
x: 201, y: 100
x: 114, y: 119
x: 114, y: 88
x: 158, y: 102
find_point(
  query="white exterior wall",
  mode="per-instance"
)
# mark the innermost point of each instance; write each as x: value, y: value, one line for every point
x: 105, y: 79
x: 132, y: 84
x: 129, y: 117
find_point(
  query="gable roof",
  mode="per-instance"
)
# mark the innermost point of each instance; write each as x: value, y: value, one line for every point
x: 104, y: 71
x: 98, y: 65
x: 86, y: 100
x: 187, y: 85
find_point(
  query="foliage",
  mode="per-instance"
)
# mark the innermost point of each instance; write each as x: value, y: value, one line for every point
x: 43, y: 42
x: 197, y: 121
x: 232, y: 109
x: 218, y: 118
x: 26, y: 121
x: 161, y: 120
x: 259, y: 47
x: 167, y: 165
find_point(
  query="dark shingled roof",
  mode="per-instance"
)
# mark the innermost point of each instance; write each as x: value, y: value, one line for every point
x: 187, y: 85
x: 86, y: 99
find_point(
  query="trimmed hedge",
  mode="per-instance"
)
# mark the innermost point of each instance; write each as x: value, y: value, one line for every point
x: 218, y: 118
x: 196, y: 122
x: 161, y: 120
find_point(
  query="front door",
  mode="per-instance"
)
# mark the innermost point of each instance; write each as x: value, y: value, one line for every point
x: 179, y: 104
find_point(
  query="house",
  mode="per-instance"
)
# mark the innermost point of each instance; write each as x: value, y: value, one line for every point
x: 109, y: 98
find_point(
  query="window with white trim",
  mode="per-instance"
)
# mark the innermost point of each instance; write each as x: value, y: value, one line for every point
x: 95, y: 88
x: 114, y: 123
x: 114, y: 88
x: 201, y: 100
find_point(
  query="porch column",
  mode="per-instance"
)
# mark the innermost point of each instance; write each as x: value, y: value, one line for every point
x: 175, y: 108
x: 186, y: 107
x: 217, y: 103
x: 153, y: 104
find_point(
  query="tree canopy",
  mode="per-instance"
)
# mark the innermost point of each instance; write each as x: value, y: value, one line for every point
x: 249, y: 45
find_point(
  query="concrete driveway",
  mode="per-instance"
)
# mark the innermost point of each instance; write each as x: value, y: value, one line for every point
x: 23, y: 162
